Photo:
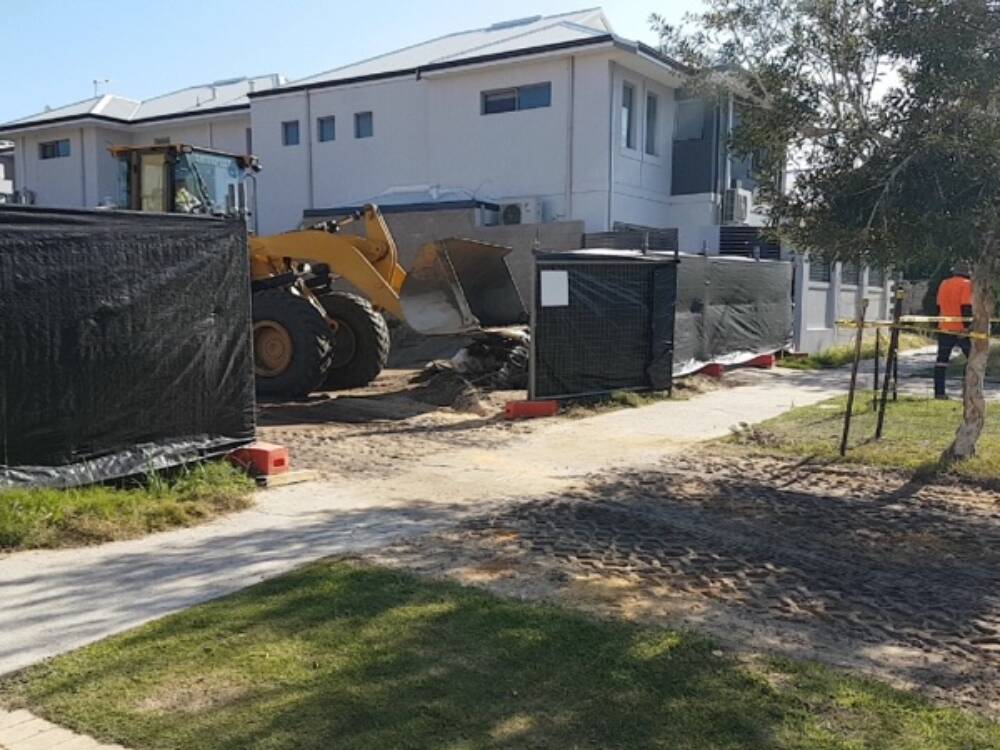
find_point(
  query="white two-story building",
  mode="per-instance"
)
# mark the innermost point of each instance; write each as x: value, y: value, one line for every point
x: 555, y: 117
x: 556, y: 114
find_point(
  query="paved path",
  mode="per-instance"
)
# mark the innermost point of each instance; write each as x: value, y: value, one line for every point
x: 20, y: 730
x: 55, y: 601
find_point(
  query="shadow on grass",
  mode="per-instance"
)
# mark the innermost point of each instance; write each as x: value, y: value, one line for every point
x: 334, y: 655
x: 339, y: 656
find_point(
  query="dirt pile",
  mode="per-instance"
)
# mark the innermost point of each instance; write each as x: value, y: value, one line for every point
x: 495, y: 360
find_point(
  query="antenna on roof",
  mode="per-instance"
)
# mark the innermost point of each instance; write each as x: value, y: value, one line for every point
x: 98, y: 83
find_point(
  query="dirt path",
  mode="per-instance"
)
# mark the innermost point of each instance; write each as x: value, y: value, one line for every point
x: 862, y: 569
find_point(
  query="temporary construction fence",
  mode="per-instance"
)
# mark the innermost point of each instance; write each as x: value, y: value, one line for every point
x: 126, y: 343
x: 607, y: 320
x: 603, y: 321
x: 730, y: 310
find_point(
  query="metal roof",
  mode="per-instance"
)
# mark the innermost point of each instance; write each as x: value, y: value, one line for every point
x: 210, y: 97
x: 503, y: 40
x: 506, y: 36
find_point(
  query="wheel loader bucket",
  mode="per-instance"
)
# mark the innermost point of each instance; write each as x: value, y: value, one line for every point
x: 459, y: 286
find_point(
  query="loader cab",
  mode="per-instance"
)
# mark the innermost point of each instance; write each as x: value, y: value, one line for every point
x: 177, y: 178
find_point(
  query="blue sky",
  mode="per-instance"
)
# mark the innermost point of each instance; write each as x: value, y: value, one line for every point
x: 146, y: 48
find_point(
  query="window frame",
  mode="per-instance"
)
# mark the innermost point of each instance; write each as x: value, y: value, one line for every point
x: 651, y: 147
x: 357, y: 124
x: 685, y: 107
x: 54, y: 149
x: 627, y: 117
x: 320, y: 123
x: 286, y: 130
x: 516, y: 96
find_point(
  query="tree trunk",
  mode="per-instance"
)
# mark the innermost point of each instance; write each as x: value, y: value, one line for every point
x: 974, y: 397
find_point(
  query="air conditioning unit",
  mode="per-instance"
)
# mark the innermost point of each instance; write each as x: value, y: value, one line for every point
x: 736, y: 204
x: 521, y: 211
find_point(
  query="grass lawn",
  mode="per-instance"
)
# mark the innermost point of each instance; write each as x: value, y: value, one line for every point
x: 917, y: 431
x: 341, y: 656
x: 839, y: 356
x: 36, y: 518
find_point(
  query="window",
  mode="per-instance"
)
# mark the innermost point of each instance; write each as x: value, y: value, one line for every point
x: 326, y: 129
x: 652, y: 125
x: 690, y: 125
x: 163, y: 141
x: 249, y: 142
x: 850, y: 274
x: 364, y: 125
x: 290, y: 133
x: 53, y: 149
x: 876, y: 276
x: 820, y: 271
x: 628, y: 115
x: 534, y: 96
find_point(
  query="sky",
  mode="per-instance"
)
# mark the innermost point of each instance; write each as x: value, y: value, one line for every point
x: 151, y: 47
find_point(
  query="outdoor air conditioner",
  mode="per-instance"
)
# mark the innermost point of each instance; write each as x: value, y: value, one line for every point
x: 521, y: 211
x: 736, y: 204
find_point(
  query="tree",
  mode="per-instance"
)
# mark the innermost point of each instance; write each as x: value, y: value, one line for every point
x: 887, y: 116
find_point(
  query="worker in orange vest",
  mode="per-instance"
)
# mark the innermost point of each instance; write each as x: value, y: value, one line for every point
x: 954, y: 300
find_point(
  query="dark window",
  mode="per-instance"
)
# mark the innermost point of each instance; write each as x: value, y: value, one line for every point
x: 652, y: 124
x: 534, y: 96
x: 628, y: 115
x: 690, y: 120
x: 53, y: 149
x: 326, y: 128
x: 496, y: 102
x: 290, y: 133
x: 850, y: 274
x: 249, y: 140
x: 820, y: 271
x: 364, y: 125
x: 876, y: 276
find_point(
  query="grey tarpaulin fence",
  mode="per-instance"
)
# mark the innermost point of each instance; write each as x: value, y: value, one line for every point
x: 602, y: 321
x: 125, y: 343
x: 730, y: 310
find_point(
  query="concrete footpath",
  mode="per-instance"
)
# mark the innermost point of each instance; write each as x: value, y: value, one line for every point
x: 58, y: 600
x: 20, y: 730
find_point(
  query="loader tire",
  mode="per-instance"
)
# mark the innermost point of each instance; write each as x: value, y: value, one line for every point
x: 361, y: 341
x: 293, y: 345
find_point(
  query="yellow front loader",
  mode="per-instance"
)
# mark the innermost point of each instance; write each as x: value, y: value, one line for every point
x: 306, y: 334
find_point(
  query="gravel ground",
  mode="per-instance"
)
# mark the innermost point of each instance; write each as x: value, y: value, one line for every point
x: 377, y: 430
x: 859, y: 568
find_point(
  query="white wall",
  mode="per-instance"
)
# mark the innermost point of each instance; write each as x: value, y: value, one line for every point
x: 641, y: 180
x: 426, y: 132
x: 225, y: 132
x: 89, y: 175
x: 56, y: 182
x: 820, y: 304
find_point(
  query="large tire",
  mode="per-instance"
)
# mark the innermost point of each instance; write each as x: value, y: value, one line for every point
x: 293, y: 345
x: 361, y: 341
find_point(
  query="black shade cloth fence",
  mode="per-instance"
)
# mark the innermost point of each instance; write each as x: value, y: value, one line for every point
x: 125, y: 343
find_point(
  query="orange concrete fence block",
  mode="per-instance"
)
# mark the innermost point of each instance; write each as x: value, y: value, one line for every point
x: 531, y: 409
x: 261, y: 459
